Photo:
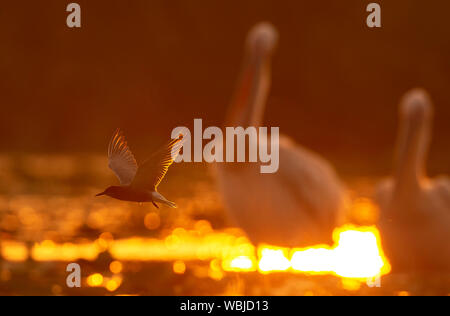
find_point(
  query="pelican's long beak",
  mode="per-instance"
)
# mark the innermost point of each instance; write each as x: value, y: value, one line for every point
x: 102, y: 193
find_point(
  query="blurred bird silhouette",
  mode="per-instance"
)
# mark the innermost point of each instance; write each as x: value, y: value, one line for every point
x: 301, y: 203
x: 139, y: 184
x: 415, y: 210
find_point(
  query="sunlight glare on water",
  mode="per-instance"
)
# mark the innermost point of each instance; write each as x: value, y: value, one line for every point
x: 240, y: 263
x: 357, y: 253
x: 272, y: 259
x: 13, y: 251
x: 71, y: 226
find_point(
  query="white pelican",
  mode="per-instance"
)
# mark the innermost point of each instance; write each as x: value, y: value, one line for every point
x: 415, y: 210
x: 300, y: 203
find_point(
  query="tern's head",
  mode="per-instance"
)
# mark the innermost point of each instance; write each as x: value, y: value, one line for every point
x: 110, y: 191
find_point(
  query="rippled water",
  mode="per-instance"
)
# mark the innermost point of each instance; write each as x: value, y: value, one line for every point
x: 50, y: 217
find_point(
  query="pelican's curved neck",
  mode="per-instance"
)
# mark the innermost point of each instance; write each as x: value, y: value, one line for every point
x: 412, y: 151
x: 248, y: 104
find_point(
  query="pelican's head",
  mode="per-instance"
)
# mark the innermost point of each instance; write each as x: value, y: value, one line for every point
x: 416, y: 107
x: 262, y: 39
x: 416, y: 111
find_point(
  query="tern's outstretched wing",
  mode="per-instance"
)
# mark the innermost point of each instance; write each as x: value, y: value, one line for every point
x: 121, y: 159
x: 153, y: 170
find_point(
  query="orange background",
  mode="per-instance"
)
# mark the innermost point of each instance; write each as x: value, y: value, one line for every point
x: 148, y: 66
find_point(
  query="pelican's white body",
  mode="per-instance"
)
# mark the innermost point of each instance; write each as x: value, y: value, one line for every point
x: 416, y: 229
x: 301, y: 203
x: 415, y: 210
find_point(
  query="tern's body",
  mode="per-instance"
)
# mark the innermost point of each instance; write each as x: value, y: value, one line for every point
x: 139, y: 183
x: 129, y: 193
x: 300, y: 203
x: 415, y: 210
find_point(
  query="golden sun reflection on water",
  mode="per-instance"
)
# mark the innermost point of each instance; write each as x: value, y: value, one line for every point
x: 50, y: 217
x: 356, y: 253
x: 50, y: 251
x: 238, y: 264
x: 13, y: 251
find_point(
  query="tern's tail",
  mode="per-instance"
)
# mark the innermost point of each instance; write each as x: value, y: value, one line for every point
x: 169, y: 203
x: 157, y: 197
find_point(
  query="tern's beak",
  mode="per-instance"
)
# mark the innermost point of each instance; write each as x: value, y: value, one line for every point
x: 102, y: 193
